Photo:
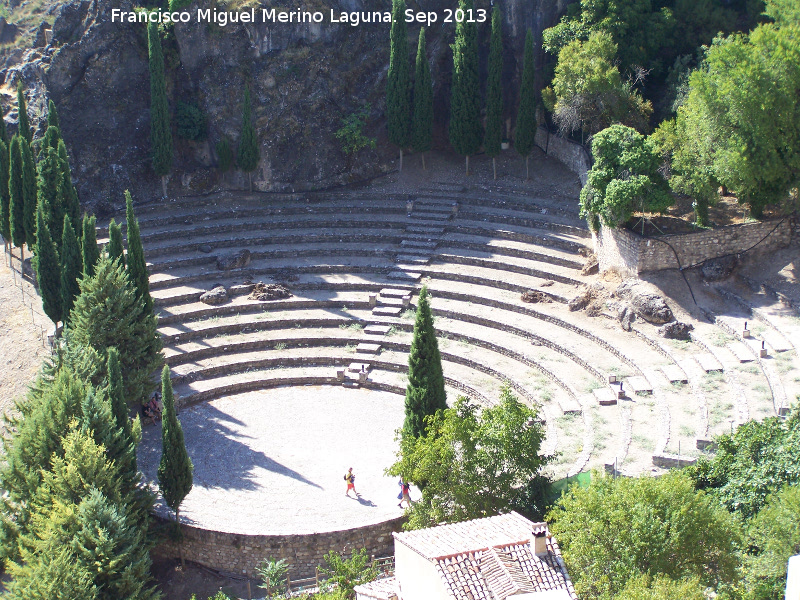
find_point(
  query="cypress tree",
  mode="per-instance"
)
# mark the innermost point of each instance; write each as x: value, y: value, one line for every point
x: 53, y: 574
x: 423, y: 101
x: 137, y: 268
x: 4, y: 131
x: 248, y: 143
x: 24, y: 122
x: 398, y: 82
x: 49, y: 190
x: 225, y: 158
x: 494, y: 92
x: 115, y: 248
x: 50, y: 140
x: 108, y: 314
x: 5, y: 199
x: 69, y: 194
x: 29, y: 191
x: 119, y: 408
x: 16, y: 194
x: 160, y: 132
x: 71, y: 269
x: 425, y: 392
x: 89, y: 248
x: 465, y: 101
x: 175, y: 468
x: 526, y: 117
x: 46, y: 266
x: 52, y: 116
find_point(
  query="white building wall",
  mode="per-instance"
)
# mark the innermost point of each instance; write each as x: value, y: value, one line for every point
x: 793, y: 579
x: 416, y: 576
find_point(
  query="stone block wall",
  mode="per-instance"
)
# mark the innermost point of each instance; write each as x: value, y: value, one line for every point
x: 239, y: 553
x: 632, y: 254
x: 572, y: 154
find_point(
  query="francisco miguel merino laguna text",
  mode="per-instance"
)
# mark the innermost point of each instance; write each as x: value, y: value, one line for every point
x: 271, y: 15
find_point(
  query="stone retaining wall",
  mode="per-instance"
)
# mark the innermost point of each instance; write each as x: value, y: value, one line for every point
x: 572, y: 154
x: 631, y: 254
x: 239, y: 553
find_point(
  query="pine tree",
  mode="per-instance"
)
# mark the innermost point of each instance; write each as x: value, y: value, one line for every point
x: 53, y: 575
x: 175, y: 468
x: 465, y: 100
x: 90, y: 250
x: 46, y: 266
x: 24, y: 122
x: 160, y: 132
x: 5, y: 199
x: 398, y: 82
x: 425, y: 392
x: 108, y: 314
x: 30, y: 193
x: 71, y: 269
x: 248, y: 143
x: 526, y: 117
x: 52, y: 116
x: 494, y: 92
x: 423, y: 101
x: 137, y: 268
x: 115, y: 248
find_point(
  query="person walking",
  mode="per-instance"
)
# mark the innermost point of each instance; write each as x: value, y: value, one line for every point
x: 350, y: 478
x: 404, y: 496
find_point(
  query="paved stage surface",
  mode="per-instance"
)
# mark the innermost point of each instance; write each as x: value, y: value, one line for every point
x: 273, y: 461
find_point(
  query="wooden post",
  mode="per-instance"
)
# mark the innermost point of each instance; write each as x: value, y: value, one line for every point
x: 316, y: 576
x: 288, y: 583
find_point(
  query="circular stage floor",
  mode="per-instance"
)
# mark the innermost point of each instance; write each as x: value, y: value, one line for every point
x: 273, y: 461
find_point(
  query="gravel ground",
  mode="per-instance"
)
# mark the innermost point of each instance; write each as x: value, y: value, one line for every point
x: 272, y: 462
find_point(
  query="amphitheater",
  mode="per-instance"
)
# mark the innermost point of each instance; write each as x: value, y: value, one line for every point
x: 275, y: 402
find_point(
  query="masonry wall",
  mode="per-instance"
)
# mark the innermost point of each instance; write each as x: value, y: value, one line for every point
x: 239, y: 553
x: 573, y: 155
x: 631, y: 253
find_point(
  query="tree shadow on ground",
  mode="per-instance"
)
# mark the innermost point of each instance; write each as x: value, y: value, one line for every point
x: 220, y: 454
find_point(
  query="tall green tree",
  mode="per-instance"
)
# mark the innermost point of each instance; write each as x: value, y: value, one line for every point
x: 473, y: 463
x: 108, y: 314
x: 618, y: 529
x: 175, y: 469
x: 494, y: 92
x: 5, y: 198
x: 130, y: 431
x: 29, y: 191
x: 52, y: 116
x: 46, y: 266
x: 398, y: 82
x: 71, y: 269
x: 54, y: 575
x: 160, y: 131
x: 16, y: 195
x: 24, y: 121
x: 422, y: 134
x: 742, y: 113
x: 50, y: 190
x: 624, y: 178
x: 466, y: 132
x: 69, y: 194
x: 89, y: 248
x: 588, y: 92
x: 4, y: 131
x: 525, y: 134
x: 137, y: 268
x: 249, y: 154
x: 425, y: 391
x: 115, y: 248
x: 225, y: 158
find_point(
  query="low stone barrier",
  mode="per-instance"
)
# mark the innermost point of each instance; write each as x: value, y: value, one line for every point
x: 573, y: 155
x: 672, y: 461
x: 241, y: 554
x: 631, y: 254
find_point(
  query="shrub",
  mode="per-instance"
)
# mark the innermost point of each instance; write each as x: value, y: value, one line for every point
x: 192, y: 122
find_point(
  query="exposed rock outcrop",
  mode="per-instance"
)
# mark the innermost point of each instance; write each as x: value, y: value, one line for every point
x: 274, y: 291
x: 238, y: 260
x: 215, y: 296
x: 676, y: 330
x: 646, y: 303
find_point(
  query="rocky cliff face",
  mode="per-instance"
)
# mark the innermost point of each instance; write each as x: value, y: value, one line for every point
x: 304, y: 78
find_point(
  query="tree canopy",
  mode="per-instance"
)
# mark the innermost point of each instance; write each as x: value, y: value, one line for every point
x: 472, y: 462
x: 398, y: 82
x: 466, y: 130
x: 623, y: 179
x: 617, y: 529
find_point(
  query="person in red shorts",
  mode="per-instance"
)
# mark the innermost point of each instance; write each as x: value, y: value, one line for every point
x: 351, y: 482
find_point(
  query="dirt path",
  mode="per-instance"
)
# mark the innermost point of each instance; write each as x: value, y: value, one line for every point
x: 21, y: 325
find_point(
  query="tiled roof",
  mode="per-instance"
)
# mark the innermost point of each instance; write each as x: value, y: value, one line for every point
x: 492, y: 558
x: 381, y: 589
x: 458, y: 538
